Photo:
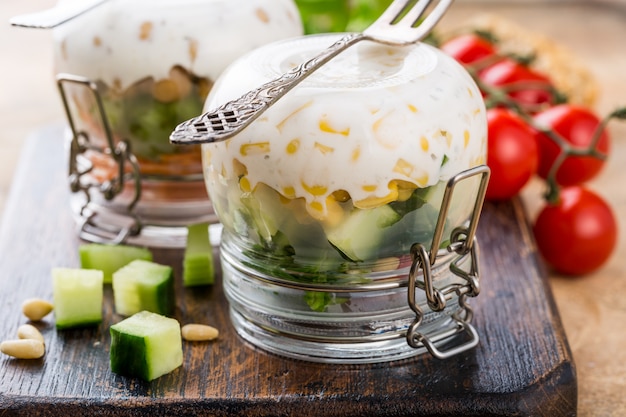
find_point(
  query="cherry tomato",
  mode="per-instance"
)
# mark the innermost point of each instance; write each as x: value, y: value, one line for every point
x: 468, y: 48
x: 511, y: 74
x: 512, y: 154
x: 576, y: 125
x: 578, y: 234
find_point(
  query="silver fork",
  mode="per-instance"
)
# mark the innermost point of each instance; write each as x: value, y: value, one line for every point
x: 400, y: 24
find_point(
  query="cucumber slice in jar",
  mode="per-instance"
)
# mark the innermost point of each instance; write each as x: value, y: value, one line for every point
x: 146, y: 345
x: 110, y: 258
x: 359, y: 236
x: 143, y: 285
x: 77, y: 295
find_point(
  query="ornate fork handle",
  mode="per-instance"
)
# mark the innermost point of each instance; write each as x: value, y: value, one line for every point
x: 232, y: 117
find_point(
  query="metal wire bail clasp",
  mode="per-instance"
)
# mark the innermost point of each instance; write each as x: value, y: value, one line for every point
x: 78, y: 178
x: 462, y: 242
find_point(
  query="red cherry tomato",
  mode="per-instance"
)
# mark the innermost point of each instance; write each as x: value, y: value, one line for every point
x: 468, y: 48
x: 511, y: 74
x: 576, y: 125
x: 512, y: 154
x: 578, y: 234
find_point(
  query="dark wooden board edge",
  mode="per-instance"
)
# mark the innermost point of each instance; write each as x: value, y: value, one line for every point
x: 518, y: 369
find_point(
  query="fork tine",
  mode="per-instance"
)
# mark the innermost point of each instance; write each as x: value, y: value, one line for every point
x: 400, y: 24
x: 393, y: 12
x: 435, y: 15
x: 413, y: 15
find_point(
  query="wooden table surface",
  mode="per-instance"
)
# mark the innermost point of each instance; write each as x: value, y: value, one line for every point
x: 592, y: 308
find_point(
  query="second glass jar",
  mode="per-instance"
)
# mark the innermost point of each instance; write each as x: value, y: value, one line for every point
x: 144, y: 66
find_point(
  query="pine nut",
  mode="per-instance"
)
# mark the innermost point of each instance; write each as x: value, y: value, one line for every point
x: 28, y: 331
x: 36, y: 309
x: 199, y: 332
x: 23, y: 348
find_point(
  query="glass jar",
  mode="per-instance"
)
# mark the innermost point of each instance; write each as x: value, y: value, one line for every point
x: 129, y: 72
x: 349, y: 207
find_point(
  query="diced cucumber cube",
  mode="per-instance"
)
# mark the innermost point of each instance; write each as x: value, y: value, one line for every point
x: 198, y: 261
x: 146, y: 345
x: 359, y: 236
x: 143, y: 285
x: 110, y: 258
x: 77, y: 295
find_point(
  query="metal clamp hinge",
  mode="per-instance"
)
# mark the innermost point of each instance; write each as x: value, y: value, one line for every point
x: 463, y: 243
x: 121, y: 155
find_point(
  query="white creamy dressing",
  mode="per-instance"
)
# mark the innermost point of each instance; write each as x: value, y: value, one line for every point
x: 373, y: 115
x: 124, y: 41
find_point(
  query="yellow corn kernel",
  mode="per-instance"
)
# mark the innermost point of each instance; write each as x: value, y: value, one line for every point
x: 466, y: 138
x: 330, y: 213
x: 404, y: 167
x: 239, y: 169
x: 421, y: 181
x: 244, y: 184
x: 405, y: 189
x: 412, y: 108
x: 323, y: 148
x: 145, y: 30
x: 356, y: 153
x: 341, y: 195
x: 334, y: 212
x: 316, y: 210
x: 369, y: 188
x: 374, y: 201
x: 293, y: 146
x: 192, y: 49
x: 377, y: 124
x: 315, y: 190
x: 326, y: 127
x: 425, y: 145
x: 257, y: 148
x: 280, y: 126
x: 479, y: 161
x: 289, y: 192
x: 262, y: 15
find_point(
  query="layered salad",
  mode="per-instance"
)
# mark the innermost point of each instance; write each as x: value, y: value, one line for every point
x: 347, y: 171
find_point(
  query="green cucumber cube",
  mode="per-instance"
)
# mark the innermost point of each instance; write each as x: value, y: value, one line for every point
x: 359, y: 236
x: 146, y: 345
x: 110, y: 258
x: 77, y: 295
x: 143, y: 285
x: 198, y: 261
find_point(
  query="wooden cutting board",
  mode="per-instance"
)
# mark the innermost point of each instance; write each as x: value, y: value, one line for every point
x: 522, y: 366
